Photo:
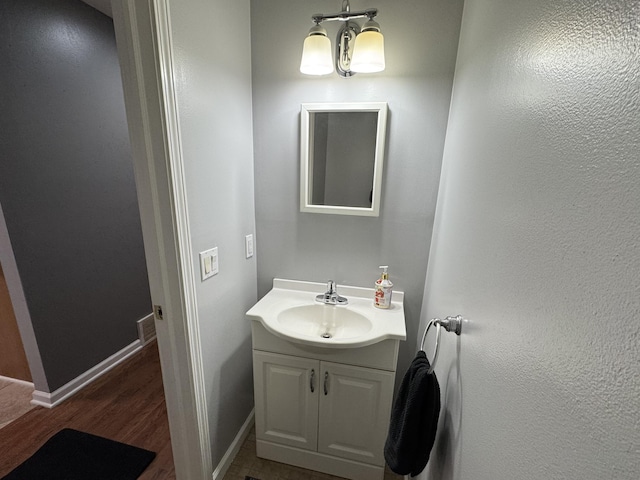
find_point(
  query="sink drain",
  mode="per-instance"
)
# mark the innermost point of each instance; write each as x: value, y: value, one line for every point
x: 326, y: 335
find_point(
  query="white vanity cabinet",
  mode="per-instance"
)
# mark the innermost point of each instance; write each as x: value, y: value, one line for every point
x: 286, y: 399
x: 323, y: 409
x: 354, y: 412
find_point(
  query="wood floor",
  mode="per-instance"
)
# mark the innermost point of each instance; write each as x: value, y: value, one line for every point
x: 15, y: 401
x: 126, y: 404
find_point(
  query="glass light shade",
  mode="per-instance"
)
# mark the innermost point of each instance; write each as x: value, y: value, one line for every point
x: 368, y: 52
x: 316, y: 55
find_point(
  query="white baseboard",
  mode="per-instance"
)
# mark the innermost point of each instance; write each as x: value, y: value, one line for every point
x: 16, y: 380
x: 234, y: 448
x: 49, y: 400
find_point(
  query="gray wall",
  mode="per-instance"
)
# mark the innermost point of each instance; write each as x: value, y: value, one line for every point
x: 536, y: 242
x: 214, y: 106
x: 66, y: 184
x: 420, y: 42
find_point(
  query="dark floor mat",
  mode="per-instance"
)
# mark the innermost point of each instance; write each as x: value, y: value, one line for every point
x: 74, y: 455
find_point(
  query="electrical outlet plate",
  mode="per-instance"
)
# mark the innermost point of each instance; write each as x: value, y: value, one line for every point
x: 209, y: 263
x: 248, y: 245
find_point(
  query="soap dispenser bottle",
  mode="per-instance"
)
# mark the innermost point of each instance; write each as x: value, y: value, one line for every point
x: 384, y: 289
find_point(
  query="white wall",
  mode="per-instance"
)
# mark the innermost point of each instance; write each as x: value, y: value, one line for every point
x: 212, y: 73
x: 420, y: 43
x: 536, y: 242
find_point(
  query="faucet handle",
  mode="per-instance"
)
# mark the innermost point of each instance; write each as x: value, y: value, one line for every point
x: 331, y: 296
x: 331, y: 287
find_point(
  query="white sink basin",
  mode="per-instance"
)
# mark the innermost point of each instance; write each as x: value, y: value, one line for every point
x: 325, y: 321
x: 290, y: 311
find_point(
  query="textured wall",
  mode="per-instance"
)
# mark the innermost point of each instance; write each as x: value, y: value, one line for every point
x: 536, y: 242
x: 212, y: 71
x: 66, y: 184
x: 417, y: 86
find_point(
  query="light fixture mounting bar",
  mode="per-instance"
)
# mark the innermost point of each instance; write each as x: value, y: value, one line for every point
x: 344, y: 16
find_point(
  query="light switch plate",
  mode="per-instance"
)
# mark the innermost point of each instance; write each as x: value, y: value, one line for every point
x: 248, y: 245
x: 209, y: 263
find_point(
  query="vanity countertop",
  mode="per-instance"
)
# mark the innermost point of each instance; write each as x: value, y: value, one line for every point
x: 357, y: 324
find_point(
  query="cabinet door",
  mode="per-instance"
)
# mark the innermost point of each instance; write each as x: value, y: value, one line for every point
x: 355, y: 407
x: 286, y: 397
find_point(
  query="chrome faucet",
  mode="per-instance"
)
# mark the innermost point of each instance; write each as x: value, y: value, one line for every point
x: 331, y: 296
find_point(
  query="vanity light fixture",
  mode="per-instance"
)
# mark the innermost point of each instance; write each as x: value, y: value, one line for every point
x: 357, y: 50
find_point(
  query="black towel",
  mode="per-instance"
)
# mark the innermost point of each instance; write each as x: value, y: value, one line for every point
x: 414, y: 419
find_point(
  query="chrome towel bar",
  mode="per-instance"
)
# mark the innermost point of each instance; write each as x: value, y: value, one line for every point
x: 450, y: 324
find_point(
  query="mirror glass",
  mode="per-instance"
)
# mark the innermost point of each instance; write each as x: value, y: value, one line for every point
x: 342, y: 155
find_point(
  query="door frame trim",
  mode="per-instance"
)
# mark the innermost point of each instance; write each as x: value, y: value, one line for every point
x: 143, y: 35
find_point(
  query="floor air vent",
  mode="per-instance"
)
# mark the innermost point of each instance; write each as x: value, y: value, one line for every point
x: 146, y: 329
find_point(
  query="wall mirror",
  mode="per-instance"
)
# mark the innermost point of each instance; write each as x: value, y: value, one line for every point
x: 342, y: 157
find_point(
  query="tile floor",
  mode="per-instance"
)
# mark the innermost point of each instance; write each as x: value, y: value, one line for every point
x: 15, y: 401
x: 247, y: 464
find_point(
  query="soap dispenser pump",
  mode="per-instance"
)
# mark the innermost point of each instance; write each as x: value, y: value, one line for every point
x: 383, y: 289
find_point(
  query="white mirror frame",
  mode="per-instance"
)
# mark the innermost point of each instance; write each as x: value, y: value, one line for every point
x: 306, y: 146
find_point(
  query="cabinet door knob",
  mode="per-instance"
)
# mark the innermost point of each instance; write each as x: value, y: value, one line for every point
x: 326, y: 383
x: 311, y: 380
